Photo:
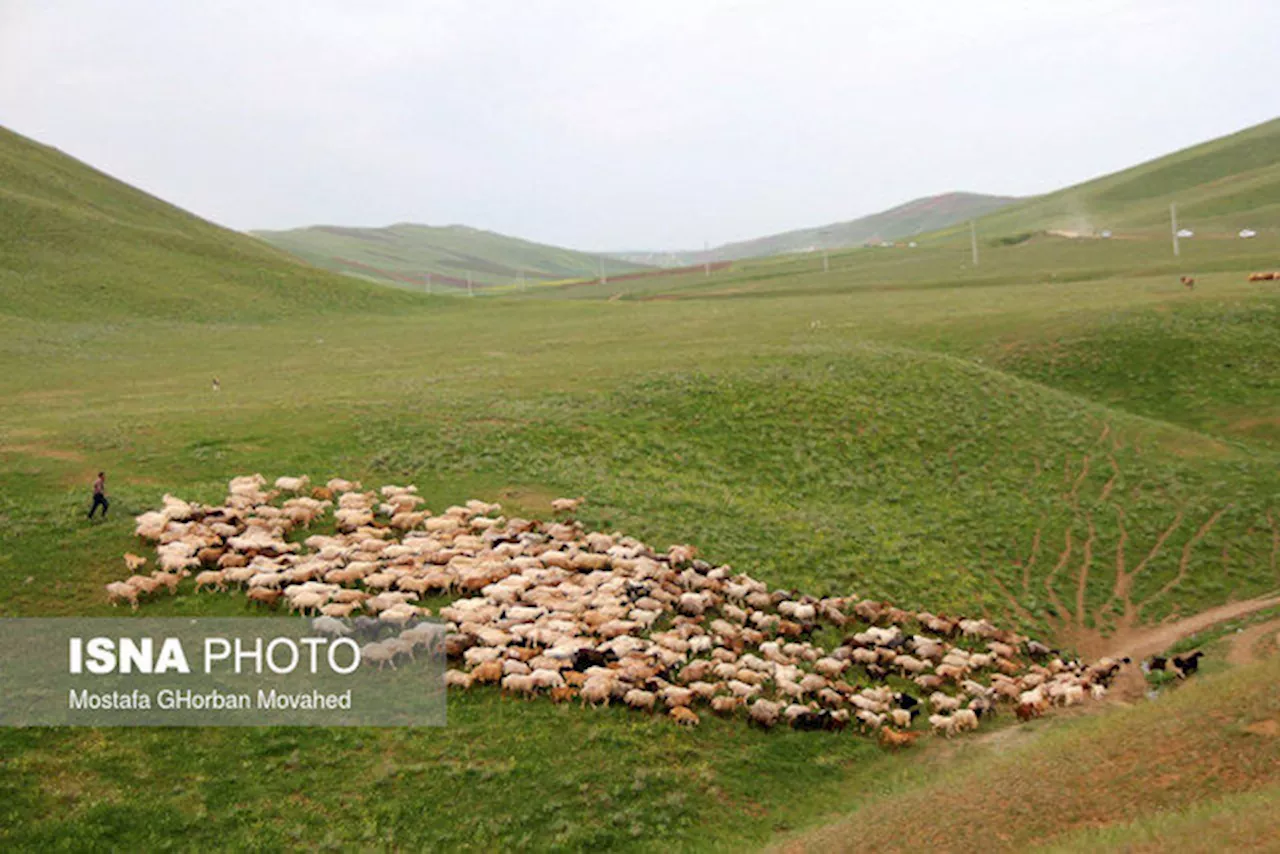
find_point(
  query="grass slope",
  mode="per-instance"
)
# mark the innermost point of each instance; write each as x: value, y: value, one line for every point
x: 1220, y: 187
x: 982, y: 441
x: 76, y: 244
x: 1142, y: 769
x: 406, y: 253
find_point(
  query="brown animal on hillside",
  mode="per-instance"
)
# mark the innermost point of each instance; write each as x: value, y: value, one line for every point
x: 134, y: 562
x: 893, y: 739
x: 488, y: 673
x: 567, y: 505
x: 265, y: 595
x: 1262, y: 277
x: 1189, y: 282
x: 563, y: 693
x: 210, y: 556
x: 684, y: 716
x: 1027, y: 711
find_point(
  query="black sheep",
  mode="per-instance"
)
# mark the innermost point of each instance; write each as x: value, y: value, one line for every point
x: 810, y: 721
x: 585, y: 658
x: 1187, y: 664
x: 906, y: 701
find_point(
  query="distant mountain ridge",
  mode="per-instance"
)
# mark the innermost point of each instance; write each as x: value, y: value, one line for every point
x: 914, y: 217
x: 451, y: 255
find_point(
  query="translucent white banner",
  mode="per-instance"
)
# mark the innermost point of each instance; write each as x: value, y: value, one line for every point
x: 178, y: 671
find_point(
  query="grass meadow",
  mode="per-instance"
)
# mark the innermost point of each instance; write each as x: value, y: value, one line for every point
x: 1068, y: 455
x: 1062, y: 438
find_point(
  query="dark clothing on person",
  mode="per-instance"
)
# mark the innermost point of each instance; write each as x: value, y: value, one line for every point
x: 99, y: 496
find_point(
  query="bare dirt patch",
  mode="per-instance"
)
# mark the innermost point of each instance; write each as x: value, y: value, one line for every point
x: 1141, y: 643
x: 44, y: 452
x: 529, y: 499
x: 1269, y: 728
x: 1189, y: 445
x: 1245, y: 646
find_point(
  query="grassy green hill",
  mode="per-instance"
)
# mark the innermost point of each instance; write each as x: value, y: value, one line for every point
x: 915, y: 217
x: 1220, y: 187
x: 1063, y: 438
x: 78, y: 244
x: 406, y: 253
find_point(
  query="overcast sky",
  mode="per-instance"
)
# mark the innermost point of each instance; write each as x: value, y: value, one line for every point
x: 603, y: 125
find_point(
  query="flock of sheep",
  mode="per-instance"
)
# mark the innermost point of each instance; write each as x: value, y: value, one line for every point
x: 549, y: 608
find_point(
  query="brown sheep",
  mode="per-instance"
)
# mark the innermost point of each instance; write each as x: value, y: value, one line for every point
x: 488, y: 673
x: 894, y: 740
x: 684, y: 716
x: 265, y: 595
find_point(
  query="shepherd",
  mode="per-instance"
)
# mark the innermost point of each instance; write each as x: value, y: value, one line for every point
x: 100, y: 495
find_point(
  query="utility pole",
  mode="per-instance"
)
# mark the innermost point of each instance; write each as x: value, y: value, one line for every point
x: 973, y: 241
x: 1173, y: 225
x: 470, y: 292
x: 706, y: 260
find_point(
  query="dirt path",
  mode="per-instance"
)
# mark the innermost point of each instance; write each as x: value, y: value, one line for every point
x: 1144, y: 642
x: 1244, y: 644
x: 1130, y: 684
x: 1140, y: 643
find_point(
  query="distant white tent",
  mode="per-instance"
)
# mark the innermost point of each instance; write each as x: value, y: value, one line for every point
x: 1186, y: 232
x: 1106, y: 232
x: 1246, y: 233
x: 912, y: 244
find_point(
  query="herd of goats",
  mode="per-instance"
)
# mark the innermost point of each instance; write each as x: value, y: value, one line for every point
x: 548, y: 608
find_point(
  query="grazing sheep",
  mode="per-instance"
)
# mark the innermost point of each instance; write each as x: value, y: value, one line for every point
x: 119, y: 591
x: 944, y: 724
x: 895, y: 740
x: 331, y: 626
x: 684, y: 716
x: 293, y: 484
x: 488, y: 672
x: 265, y: 596
x: 943, y: 703
x: 638, y: 699
x: 566, y: 505
x: 211, y: 578
x: 457, y: 679
x: 1187, y: 664
x: 723, y: 705
x: 964, y: 720
x: 764, y: 713
x: 557, y: 609
x: 563, y: 693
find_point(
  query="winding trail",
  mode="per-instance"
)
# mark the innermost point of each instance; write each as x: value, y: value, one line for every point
x: 1244, y: 645
x: 1141, y: 643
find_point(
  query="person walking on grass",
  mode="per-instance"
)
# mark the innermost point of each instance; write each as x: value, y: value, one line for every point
x: 100, y: 495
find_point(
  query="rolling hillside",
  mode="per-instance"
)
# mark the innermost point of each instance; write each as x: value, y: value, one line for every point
x: 406, y: 253
x: 76, y: 244
x: 1064, y: 439
x: 1220, y: 187
x: 920, y: 215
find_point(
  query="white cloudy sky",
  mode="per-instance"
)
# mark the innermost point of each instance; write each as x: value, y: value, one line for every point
x: 603, y: 125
